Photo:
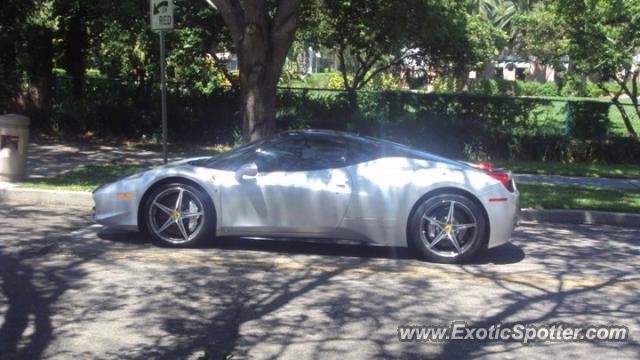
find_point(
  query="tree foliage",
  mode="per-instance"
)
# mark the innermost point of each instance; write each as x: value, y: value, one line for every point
x: 604, y: 38
x: 13, y: 16
x: 373, y: 42
x: 372, y: 37
x: 541, y: 35
x: 502, y: 15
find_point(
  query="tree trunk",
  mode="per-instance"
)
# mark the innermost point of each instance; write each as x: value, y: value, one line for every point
x: 75, y: 52
x: 632, y: 94
x: 258, y: 82
x: 258, y: 109
x: 41, y: 78
x: 9, y: 86
x: 262, y: 41
x: 623, y: 113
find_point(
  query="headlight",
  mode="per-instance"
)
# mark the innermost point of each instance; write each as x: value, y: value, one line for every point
x: 135, y: 175
x: 132, y: 176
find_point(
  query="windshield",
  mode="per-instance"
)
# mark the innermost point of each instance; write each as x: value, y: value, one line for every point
x: 230, y: 158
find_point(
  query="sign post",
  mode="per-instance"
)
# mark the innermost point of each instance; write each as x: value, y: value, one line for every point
x: 162, y: 21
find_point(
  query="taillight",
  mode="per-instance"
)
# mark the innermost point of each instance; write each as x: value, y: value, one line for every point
x: 504, y: 178
x: 484, y: 166
x: 502, y: 175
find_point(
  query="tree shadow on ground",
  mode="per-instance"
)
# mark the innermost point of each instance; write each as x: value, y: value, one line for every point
x: 282, y: 299
x: 30, y: 293
x: 591, y: 272
x: 259, y: 295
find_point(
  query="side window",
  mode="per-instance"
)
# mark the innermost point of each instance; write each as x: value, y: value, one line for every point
x: 329, y: 152
x: 360, y: 151
x: 269, y: 156
x: 299, y: 153
x: 324, y: 153
x: 284, y: 155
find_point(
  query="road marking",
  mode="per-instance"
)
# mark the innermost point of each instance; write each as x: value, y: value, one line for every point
x: 435, y: 272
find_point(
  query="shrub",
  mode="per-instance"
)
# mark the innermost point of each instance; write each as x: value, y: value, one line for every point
x: 534, y: 88
x: 384, y: 81
x: 445, y: 85
x: 336, y: 81
x: 575, y: 87
x: 483, y: 86
x: 517, y: 88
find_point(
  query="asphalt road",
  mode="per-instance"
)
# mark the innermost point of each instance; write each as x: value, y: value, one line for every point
x: 71, y: 290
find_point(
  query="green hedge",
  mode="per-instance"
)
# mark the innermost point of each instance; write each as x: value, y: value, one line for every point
x: 132, y: 110
x: 568, y: 87
x: 615, y: 150
x: 467, y: 126
x: 455, y: 125
x: 587, y: 120
x: 516, y: 88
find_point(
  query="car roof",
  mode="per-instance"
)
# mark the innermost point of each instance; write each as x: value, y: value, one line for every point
x: 391, y: 146
x: 328, y: 133
x: 318, y: 132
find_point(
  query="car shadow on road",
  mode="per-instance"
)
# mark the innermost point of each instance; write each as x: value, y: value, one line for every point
x: 502, y: 255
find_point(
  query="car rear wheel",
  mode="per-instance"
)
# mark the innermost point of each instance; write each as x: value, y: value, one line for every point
x: 179, y: 215
x: 448, y: 228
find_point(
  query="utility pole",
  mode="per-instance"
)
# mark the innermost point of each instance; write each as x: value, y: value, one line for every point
x: 163, y: 96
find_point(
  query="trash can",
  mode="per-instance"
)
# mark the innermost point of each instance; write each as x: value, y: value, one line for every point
x: 14, y: 137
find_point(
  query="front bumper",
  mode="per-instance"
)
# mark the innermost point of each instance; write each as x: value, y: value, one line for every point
x: 116, y: 211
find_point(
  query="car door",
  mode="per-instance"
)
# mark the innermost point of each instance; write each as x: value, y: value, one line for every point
x: 300, y: 189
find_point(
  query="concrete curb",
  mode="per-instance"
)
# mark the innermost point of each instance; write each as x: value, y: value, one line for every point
x: 581, y: 217
x: 46, y: 197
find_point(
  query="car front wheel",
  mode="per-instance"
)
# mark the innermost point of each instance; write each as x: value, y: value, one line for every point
x: 178, y: 215
x: 448, y: 228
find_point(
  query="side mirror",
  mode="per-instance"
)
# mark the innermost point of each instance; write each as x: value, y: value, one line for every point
x: 247, y: 170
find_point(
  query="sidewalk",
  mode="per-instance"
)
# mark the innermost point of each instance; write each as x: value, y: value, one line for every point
x: 50, y: 157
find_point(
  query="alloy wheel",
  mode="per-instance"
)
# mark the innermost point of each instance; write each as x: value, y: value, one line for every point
x: 176, y: 215
x: 448, y: 228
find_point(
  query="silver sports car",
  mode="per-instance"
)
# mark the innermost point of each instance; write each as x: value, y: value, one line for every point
x: 320, y: 184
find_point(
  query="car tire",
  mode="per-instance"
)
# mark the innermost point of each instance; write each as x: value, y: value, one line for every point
x: 186, y: 226
x: 434, y: 230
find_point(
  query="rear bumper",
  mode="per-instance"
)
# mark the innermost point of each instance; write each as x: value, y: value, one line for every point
x: 502, y: 209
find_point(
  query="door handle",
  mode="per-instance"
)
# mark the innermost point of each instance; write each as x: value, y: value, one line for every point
x: 245, y: 178
x: 341, y: 185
